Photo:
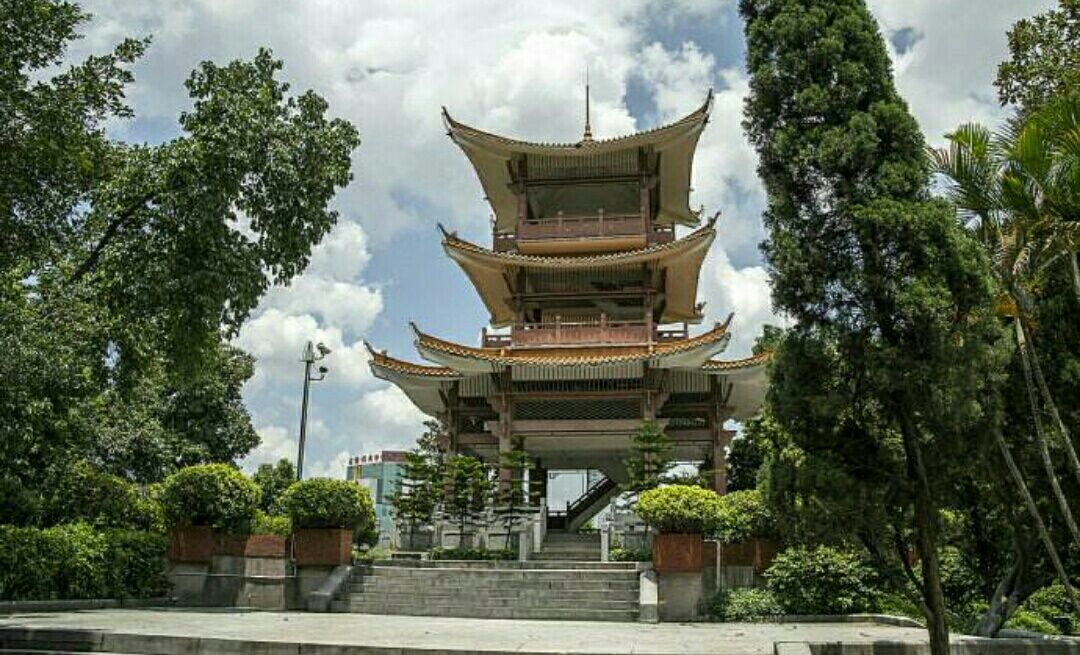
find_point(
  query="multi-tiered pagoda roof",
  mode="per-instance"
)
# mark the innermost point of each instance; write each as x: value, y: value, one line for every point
x: 591, y: 297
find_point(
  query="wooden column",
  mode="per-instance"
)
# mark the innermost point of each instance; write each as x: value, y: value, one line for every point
x: 503, y: 405
x: 721, y: 438
x: 451, y: 419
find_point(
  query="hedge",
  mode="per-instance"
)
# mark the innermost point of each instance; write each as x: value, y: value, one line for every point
x: 76, y: 561
x: 822, y: 580
x: 679, y: 509
x: 744, y: 605
x: 216, y: 495
x: 325, y: 503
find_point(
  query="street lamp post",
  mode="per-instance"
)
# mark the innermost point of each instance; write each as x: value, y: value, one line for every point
x: 309, y: 357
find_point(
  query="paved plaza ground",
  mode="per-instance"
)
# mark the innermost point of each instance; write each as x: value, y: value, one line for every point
x: 402, y: 634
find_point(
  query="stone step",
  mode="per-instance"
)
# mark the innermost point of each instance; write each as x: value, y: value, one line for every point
x: 497, y: 574
x: 482, y: 602
x: 628, y: 593
x: 550, y: 586
x: 505, y: 612
x: 501, y: 565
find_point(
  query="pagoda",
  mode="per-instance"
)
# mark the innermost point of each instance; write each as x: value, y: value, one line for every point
x: 591, y: 298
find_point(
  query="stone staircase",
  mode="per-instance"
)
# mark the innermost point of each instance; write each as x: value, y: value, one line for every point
x: 569, y: 547
x: 585, y: 591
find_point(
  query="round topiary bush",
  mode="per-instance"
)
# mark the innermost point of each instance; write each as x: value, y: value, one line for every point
x: 324, y: 503
x: 679, y: 509
x: 821, y: 580
x: 216, y: 495
x: 743, y: 516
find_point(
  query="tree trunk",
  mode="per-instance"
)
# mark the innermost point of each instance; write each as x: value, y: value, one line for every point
x: 926, y: 533
x: 1025, y: 304
x: 1040, y: 438
x: 1074, y: 267
x: 1033, y: 510
x: 1011, y: 591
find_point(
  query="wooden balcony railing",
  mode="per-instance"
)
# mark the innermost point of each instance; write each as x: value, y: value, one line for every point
x: 595, y: 226
x: 582, y: 331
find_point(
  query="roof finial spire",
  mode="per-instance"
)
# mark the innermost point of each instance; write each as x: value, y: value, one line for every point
x: 588, y: 125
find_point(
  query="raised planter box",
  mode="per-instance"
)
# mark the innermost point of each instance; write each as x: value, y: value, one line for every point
x: 252, y: 545
x: 756, y: 553
x: 677, y: 553
x: 192, y: 544
x: 322, y: 546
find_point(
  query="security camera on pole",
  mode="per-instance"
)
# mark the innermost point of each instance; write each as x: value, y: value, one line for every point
x: 309, y: 358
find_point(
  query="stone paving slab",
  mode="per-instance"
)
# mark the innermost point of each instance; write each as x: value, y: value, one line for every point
x: 287, y: 632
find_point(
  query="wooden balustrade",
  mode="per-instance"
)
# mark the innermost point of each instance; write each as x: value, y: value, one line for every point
x: 600, y: 330
x: 593, y: 226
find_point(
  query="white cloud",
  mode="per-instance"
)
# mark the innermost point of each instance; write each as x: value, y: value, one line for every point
x: 947, y: 76
x: 388, y: 66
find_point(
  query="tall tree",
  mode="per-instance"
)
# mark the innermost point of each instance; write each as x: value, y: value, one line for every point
x: 150, y: 256
x: 1044, y: 58
x: 273, y: 480
x: 892, y: 346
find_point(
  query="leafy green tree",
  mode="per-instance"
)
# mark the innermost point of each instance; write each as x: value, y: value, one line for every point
x: 273, y: 480
x: 465, y: 492
x: 1044, y: 58
x: 150, y: 256
x: 651, y: 458
x: 893, y: 343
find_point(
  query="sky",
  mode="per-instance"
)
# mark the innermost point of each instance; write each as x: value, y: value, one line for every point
x: 513, y: 68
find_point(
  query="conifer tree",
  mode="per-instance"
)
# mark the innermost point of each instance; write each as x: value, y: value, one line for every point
x: 465, y: 492
x: 419, y: 489
x: 651, y: 458
x: 515, y: 496
x: 892, y: 351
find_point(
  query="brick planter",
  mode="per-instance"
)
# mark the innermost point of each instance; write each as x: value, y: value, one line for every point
x: 322, y: 546
x: 192, y: 544
x: 677, y: 553
x: 252, y: 545
x: 756, y: 553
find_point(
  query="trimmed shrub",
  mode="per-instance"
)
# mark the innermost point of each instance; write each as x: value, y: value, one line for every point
x: 679, y: 509
x: 263, y: 523
x: 325, y: 503
x: 501, y: 554
x: 630, y: 555
x: 216, y: 495
x: 821, y: 580
x: 1030, y: 621
x: 84, y: 493
x: 743, y: 515
x: 75, y: 561
x: 1048, y: 603
x: 744, y: 605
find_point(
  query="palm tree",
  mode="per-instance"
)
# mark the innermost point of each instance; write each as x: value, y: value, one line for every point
x: 1018, y: 190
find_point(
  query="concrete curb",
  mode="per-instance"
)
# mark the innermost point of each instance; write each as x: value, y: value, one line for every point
x: 53, y: 640
x: 30, y: 606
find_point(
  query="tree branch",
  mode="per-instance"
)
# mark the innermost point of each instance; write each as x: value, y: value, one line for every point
x: 110, y: 233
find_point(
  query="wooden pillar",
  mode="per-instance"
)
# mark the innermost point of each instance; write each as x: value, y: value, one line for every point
x: 721, y: 438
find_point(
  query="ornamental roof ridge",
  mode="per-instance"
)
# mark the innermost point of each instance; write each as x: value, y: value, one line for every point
x: 452, y: 240
x: 699, y: 114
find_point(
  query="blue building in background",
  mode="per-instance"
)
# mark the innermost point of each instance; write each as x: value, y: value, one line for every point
x: 380, y: 472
